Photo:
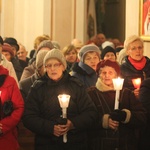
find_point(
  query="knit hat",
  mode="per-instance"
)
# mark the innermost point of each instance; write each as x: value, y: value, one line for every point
x: 45, y: 43
x: 1, y: 40
x: 12, y: 41
x: 39, y: 58
x: 88, y: 48
x: 7, y: 48
x: 56, y: 44
x: 55, y: 53
x: 106, y: 50
x: 108, y: 43
x: 109, y: 63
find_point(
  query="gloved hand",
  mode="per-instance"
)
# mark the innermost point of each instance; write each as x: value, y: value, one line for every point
x: 61, y: 121
x: 118, y: 115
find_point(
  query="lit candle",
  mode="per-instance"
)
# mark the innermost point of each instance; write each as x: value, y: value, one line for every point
x: 64, y: 102
x: 118, y: 83
x: 136, y: 82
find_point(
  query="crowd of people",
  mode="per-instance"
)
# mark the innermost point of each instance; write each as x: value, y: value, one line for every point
x: 31, y: 85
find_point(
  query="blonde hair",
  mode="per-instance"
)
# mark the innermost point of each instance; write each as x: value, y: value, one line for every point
x: 39, y: 39
x: 130, y: 40
x: 68, y: 49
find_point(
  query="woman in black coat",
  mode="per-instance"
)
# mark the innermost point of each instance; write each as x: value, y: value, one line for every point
x: 118, y: 129
x: 136, y: 65
x: 43, y: 114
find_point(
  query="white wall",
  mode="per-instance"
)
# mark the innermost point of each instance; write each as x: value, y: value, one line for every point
x: 63, y: 20
x: 24, y: 20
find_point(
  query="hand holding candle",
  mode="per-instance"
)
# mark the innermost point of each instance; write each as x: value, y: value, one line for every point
x: 118, y: 83
x: 136, y: 82
x: 64, y: 102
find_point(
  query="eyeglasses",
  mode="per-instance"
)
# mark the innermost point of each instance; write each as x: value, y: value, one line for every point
x: 56, y: 66
x: 135, y: 48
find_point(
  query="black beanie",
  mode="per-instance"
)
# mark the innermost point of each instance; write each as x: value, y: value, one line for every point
x: 106, y: 50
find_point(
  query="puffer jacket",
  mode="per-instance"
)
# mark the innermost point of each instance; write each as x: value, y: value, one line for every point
x: 43, y: 109
x: 129, y: 72
x: 9, y: 92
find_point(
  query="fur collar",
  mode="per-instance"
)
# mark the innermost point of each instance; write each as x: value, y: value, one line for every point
x: 102, y: 87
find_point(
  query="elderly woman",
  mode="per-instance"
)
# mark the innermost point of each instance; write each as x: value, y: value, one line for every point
x: 136, y: 65
x: 43, y: 112
x: 117, y: 129
x: 85, y: 69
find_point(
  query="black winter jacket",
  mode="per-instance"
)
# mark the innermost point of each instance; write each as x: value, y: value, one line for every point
x: 129, y: 72
x: 43, y: 109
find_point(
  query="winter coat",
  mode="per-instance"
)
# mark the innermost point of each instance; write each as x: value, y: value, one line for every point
x: 129, y: 72
x: 43, y: 110
x: 25, y: 85
x: 144, y: 97
x: 28, y: 71
x: 127, y: 135
x: 85, y: 74
x: 10, y: 94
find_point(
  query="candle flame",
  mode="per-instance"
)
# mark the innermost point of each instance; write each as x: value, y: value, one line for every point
x: 118, y: 83
x: 136, y: 82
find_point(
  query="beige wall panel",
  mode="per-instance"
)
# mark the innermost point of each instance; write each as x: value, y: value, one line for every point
x: 62, y: 22
x: 7, y: 17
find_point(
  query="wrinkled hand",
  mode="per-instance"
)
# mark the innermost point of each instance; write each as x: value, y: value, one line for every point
x: 113, y: 124
x: 62, y: 129
x: 118, y: 115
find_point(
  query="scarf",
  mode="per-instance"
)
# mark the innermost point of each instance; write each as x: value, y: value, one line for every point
x: 102, y: 87
x: 139, y: 65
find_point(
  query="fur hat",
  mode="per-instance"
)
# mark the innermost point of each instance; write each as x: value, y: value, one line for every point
x: 39, y: 58
x: 109, y: 63
x: 12, y: 41
x: 1, y: 40
x: 55, y: 53
x: 7, y: 48
x: 88, y: 48
x: 45, y: 43
x: 106, y: 50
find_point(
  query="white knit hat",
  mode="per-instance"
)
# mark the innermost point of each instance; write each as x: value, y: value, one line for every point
x: 39, y: 58
x: 55, y: 53
x: 88, y: 48
x: 108, y: 43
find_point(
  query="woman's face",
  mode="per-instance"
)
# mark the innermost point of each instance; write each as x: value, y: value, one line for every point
x: 107, y: 74
x: 110, y: 56
x: 71, y: 56
x: 135, y: 50
x: 54, y: 69
x: 91, y: 59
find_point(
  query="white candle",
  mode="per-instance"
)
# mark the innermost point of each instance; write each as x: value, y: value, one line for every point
x: 64, y: 102
x: 118, y: 83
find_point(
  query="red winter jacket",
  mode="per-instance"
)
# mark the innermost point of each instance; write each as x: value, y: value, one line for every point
x: 10, y: 91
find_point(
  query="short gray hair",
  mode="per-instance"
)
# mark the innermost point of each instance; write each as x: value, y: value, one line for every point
x: 131, y: 39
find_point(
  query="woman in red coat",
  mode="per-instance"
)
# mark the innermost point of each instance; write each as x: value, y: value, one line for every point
x: 11, y: 110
